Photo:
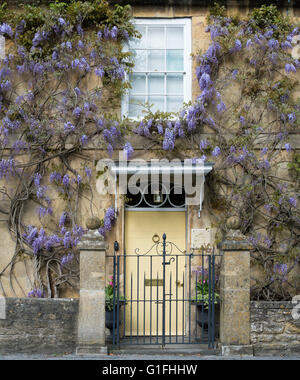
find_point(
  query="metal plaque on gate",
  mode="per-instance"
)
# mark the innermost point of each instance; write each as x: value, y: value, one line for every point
x: 154, y: 282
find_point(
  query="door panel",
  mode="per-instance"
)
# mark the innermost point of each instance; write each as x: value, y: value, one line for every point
x: 144, y: 273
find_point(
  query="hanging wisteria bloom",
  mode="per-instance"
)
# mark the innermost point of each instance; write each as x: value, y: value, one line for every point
x: 84, y: 139
x: 293, y: 202
x: 288, y: 147
x: 290, y: 68
x: 36, y: 293
x: 221, y: 107
x: 292, y: 118
x: 109, y: 219
x: 169, y: 140
x: 128, y: 150
x: 216, y: 152
x: 67, y: 259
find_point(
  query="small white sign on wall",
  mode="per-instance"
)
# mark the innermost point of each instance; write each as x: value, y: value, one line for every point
x: 200, y: 237
x: 2, y: 307
x: 296, y: 48
x: 2, y: 47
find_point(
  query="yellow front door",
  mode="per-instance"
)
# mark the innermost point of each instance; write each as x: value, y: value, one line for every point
x: 144, y: 273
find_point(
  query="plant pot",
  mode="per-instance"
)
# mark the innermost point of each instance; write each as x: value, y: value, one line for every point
x: 203, y: 318
x: 109, y: 316
x: 109, y: 319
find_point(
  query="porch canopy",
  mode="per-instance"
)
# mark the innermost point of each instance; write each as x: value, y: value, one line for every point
x: 189, y: 173
x: 161, y: 167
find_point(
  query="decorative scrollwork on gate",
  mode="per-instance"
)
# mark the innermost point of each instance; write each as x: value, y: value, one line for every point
x: 158, y: 247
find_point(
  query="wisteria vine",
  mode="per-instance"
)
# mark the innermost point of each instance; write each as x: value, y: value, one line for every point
x: 243, y: 119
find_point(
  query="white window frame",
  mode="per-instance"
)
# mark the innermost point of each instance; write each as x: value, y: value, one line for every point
x: 187, y: 72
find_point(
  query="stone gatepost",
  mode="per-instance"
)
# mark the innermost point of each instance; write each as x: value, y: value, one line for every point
x: 235, y: 292
x: 91, y: 320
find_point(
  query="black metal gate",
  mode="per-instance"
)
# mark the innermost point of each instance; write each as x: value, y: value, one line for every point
x: 174, y: 301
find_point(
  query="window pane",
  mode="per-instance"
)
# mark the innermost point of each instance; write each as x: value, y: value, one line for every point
x: 135, y: 109
x: 156, y: 60
x: 175, y: 83
x: 156, y: 84
x: 158, y: 103
x: 175, y: 60
x: 156, y: 38
x: 140, y: 60
x: 138, y: 83
x: 174, y: 103
x: 175, y: 38
x: 137, y: 43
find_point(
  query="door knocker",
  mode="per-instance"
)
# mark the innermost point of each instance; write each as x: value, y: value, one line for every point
x: 155, y: 238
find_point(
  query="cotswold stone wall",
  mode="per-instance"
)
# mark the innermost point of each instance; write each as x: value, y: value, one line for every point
x: 273, y: 329
x: 31, y: 325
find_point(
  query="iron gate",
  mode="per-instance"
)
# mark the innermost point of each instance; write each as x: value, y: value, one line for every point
x: 174, y: 301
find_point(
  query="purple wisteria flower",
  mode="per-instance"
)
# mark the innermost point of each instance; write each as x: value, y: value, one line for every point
x: 235, y: 73
x: 83, y: 139
x: 109, y: 219
x: 80, y: 44
x: 265, y: 164
x: 242, y: 120
x: 63, y: 219
x: 264, y: 151
x: 160, y: 129
x: 221, y: 107
x: 238, y: 45
x: 286, y: 45
x: 88, y: 171
x: 40, y: 191
x: 169, y: 140
x: 205, y: 81
x: 77, y: 112
x: 69, y: 127
x: 216, y: 152
x: 273, y: 44
x: 66, y: 259
x: 288, y: 147
x: 203, y: 144
x: 128, y: 150
x: 61, y: 21
x: 36, y: 293
x: 55, y: 177
x: 99, y: 71
x: 281, y: 271
x: 290, y: 68
x: 249, y: 43
x: 292, y: 118
x: 293, y: 202
x: 66, y: 180
x: 269, y: 33
x: 6, y: 29
x: 114, y: 32
x: 37, y: 179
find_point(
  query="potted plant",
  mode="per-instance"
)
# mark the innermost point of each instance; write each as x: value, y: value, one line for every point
x: 109, y: 303
x: 201, y: 300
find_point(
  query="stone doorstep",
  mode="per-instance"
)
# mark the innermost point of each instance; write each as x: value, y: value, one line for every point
x: 180, y: 349
x: 243, y: 350
x: 91, y: 350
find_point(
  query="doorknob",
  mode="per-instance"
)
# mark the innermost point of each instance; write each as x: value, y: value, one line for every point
x: 179, y: 284
x: 155, y: 238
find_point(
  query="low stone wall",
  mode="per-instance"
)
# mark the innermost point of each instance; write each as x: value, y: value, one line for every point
x: 32, y: 325
x: 273, y: 329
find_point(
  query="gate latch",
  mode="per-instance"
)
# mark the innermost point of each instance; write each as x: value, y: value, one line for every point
x: 172, y: 259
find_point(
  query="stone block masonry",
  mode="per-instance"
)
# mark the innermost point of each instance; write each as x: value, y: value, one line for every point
x: 273, y: 329
x: 37, y: 325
